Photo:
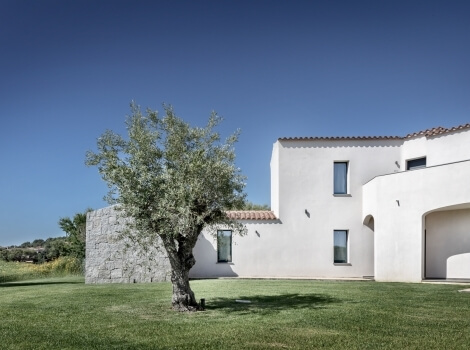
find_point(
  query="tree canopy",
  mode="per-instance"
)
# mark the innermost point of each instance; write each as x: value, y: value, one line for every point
x: 75, y: 230
x: 173, y: 180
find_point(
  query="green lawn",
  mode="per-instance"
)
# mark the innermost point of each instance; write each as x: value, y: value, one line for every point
x: 64, y: 313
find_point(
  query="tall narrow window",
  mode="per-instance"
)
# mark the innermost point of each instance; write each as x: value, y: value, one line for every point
x: 416, y: 163
x: 340, y: 246
x: 224, y: 246
x: 340, y: 178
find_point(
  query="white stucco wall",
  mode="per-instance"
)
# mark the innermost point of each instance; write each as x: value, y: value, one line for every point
x: 257, y: 254
x: 269, y: 250
x: 399, y: 203
x: 300, y: 243
x: 306, y: 183
x: 448, y: 148
x: 275, y: 179
x: 439, y: 149
x: 448, y: 244
x: 413, y: 148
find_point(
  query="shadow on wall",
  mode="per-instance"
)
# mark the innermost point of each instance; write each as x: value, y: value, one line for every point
x: 448, y: 244
x: 458, y: 266
x: 206, y: 265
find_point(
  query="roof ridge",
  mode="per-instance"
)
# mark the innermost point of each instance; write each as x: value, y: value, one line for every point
x: 334, y: 138
x: 243, y: 210
x: 439, y: 130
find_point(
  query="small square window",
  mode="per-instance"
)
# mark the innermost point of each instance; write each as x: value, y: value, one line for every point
x: 417, y: 163
x: 224, y: 246
x: 340, y: 246
x: 340, y: 181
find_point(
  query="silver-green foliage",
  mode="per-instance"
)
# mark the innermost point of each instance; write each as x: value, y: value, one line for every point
x: 172, y: 179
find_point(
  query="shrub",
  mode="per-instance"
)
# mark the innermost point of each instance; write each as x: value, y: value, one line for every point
x: 64, y: 265
x: 19, y: 271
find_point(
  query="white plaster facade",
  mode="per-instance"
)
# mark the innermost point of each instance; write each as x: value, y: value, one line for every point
x: 402, y: 225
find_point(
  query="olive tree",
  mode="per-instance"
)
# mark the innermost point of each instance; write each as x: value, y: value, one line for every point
x: 173, y: 181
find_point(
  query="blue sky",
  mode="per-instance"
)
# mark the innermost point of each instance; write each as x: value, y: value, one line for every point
x: 69, y: 70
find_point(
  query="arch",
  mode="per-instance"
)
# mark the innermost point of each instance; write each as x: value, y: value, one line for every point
x: 447, y: 242
x: 369, y: 222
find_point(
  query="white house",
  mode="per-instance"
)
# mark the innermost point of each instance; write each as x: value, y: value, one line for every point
x: 395, y: 208
x: 391, y: 208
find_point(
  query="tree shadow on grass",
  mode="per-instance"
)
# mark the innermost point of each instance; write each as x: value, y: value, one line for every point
x: 267, y: 304
x: 35, y: 283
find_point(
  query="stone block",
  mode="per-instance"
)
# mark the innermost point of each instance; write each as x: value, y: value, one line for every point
x: 111, y: 259
x: 116, y: 273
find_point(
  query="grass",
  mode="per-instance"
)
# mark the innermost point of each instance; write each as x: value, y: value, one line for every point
x: 19, y: 271
x: 64, y: 313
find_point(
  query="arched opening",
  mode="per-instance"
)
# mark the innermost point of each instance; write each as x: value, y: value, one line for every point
x: 369, y: 249
x: 447, y: 243
x: 369, y: 222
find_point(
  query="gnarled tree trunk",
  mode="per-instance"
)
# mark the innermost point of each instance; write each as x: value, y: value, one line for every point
x: 183, y: 298
x: 180, y: 254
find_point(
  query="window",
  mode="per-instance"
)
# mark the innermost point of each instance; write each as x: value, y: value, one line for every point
x: 224, y: 246
x: 340, y: 178
x: 340, y: 246
x: 416, y: 163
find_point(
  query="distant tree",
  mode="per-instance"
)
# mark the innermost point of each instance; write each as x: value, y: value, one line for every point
x: 75, y: 230
x: 38, y: 243
x: 173, y: 180
x: 25, y: 245
x: 56, y: 247
x: 14, y: 254
x: 252, y: 206
x: 41, y: 256
x: 4, y: 254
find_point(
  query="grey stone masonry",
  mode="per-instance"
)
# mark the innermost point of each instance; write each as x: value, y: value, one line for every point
x: 111, y: 259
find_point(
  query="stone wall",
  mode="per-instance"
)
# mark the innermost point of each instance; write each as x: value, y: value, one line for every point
x: 111, y: 259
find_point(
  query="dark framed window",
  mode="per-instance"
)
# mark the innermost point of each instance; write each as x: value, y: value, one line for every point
x: 417, y: 163
x: 340, y: 246
x: 340, y: 181
x: 224, y: 246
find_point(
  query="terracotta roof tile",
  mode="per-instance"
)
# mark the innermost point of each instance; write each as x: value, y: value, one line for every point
x: 437, y: 131
x: 339, y: 138
x: 428, y: 132
x: 251, y: 215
